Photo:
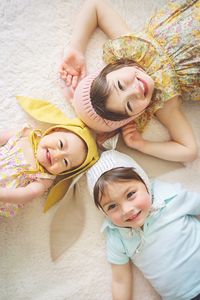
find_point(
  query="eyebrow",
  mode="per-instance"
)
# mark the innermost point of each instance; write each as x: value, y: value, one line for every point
x: 111, y: 201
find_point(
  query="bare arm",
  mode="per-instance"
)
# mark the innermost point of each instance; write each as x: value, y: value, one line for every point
x: 93, y: 14
x: 5, y: 136
x: 122, y: 282
x: 25, y: 194
x: 182, y: 147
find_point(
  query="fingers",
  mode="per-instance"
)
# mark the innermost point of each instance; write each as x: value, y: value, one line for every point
x: 74, y: 82
x: 68, y: 80
x: 131, y: 124
x: 66, y: 71
x: 66, y: 67
x: 71, y: 75
x: 83, y: 71
x: 128, y: 130
x: 63, y: 74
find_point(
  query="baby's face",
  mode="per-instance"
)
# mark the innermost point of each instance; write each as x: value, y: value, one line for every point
x: 60, y: 151
x: 127, y: 203
x: 131, y: 91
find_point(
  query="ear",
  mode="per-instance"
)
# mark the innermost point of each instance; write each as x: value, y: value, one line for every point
x: 57, y: 192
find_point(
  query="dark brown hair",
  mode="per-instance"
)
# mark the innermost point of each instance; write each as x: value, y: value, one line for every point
x: 100, y: 91
x: 113, y: 175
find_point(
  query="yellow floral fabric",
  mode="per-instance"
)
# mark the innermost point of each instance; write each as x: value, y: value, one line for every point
x: 15, y: 171
x: 168, y: 50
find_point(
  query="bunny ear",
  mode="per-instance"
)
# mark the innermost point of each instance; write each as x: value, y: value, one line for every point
x: 44, y: 111
x: 67, y: 223
x: 57, y: 192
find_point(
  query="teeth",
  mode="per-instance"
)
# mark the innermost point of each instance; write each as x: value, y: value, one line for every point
x: 133, y: 217
x: 142, y: 86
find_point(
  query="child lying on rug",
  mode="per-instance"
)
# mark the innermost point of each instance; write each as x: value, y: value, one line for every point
x: 153, y: 225
x: 30, y: 160
x: 147, y: 74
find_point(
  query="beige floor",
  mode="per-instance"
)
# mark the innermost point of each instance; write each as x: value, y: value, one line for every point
x: 34, y: 35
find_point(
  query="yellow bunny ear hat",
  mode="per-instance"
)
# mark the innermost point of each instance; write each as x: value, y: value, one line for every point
x: 47, y: 112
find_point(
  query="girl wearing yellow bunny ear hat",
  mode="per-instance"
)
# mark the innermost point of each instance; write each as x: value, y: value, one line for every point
x: 31, y: 160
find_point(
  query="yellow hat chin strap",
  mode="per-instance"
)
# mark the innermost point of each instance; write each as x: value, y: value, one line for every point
x: 47, y: 112
x: 67, y: 224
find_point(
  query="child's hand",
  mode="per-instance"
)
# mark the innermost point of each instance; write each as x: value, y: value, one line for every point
x: 73, y: 68
x: 132, y: 137
x: 22, y: 195
x: 46, y: 182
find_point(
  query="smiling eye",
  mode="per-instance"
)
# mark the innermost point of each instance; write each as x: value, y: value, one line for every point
x: 130, y: 195
x: 120, y: 86
x: 66, y: 162
x: 111, y: 207
x: 61, y: 144
x: 129, y: 106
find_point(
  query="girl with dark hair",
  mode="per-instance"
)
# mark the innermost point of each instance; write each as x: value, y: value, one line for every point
x: 147, y: 74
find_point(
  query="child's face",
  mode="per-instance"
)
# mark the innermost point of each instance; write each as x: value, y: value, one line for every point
x: 131, y: 91
x: 60, y: 151
x: 127, y: 203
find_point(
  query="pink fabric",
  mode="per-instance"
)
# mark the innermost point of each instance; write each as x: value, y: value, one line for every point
x: 85, y: 111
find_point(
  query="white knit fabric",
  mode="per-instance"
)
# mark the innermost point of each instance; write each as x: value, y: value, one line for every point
x: 113, y: 159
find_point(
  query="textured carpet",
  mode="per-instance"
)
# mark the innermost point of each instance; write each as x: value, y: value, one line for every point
x: 33, y: 37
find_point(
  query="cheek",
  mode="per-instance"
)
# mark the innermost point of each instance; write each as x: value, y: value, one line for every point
x: 145, y: 203
x: 57, y: 168
x: 115, y: 217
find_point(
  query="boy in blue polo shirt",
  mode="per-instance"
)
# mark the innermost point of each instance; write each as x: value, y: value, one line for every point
x: 154, y: 225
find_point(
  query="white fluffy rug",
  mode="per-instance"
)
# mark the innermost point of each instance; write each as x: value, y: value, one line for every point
x: 33, y: 37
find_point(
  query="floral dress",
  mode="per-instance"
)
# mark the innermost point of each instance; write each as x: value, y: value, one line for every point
x: 16, y: 172
x: 168, y: 50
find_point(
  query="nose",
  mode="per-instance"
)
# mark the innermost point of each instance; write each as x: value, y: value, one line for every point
x: 58, y: 155
x: 127, y: 208
x: 135, y: 90
x: 130, y: 78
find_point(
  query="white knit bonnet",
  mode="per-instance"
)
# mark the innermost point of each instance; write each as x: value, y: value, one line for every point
x: 113, y: 159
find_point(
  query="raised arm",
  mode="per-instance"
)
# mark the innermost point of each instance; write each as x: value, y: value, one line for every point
x: 25, y: 194
x: 93, y: 14
x: 181, y: 148
x: 122, y: 282
x: 96, y: 13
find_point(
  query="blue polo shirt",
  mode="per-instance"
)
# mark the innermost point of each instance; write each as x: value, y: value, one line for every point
x: 167, y: 250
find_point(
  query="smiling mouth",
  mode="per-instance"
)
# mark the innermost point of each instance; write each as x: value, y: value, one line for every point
x: 133, y: 217
x: 144, y: 86
x: 48, y: 156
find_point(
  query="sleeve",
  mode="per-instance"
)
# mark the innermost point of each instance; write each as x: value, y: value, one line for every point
x: 186, y: 202
x: 191, y: 201
x: 129, y: 47
x: 115, y: 250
